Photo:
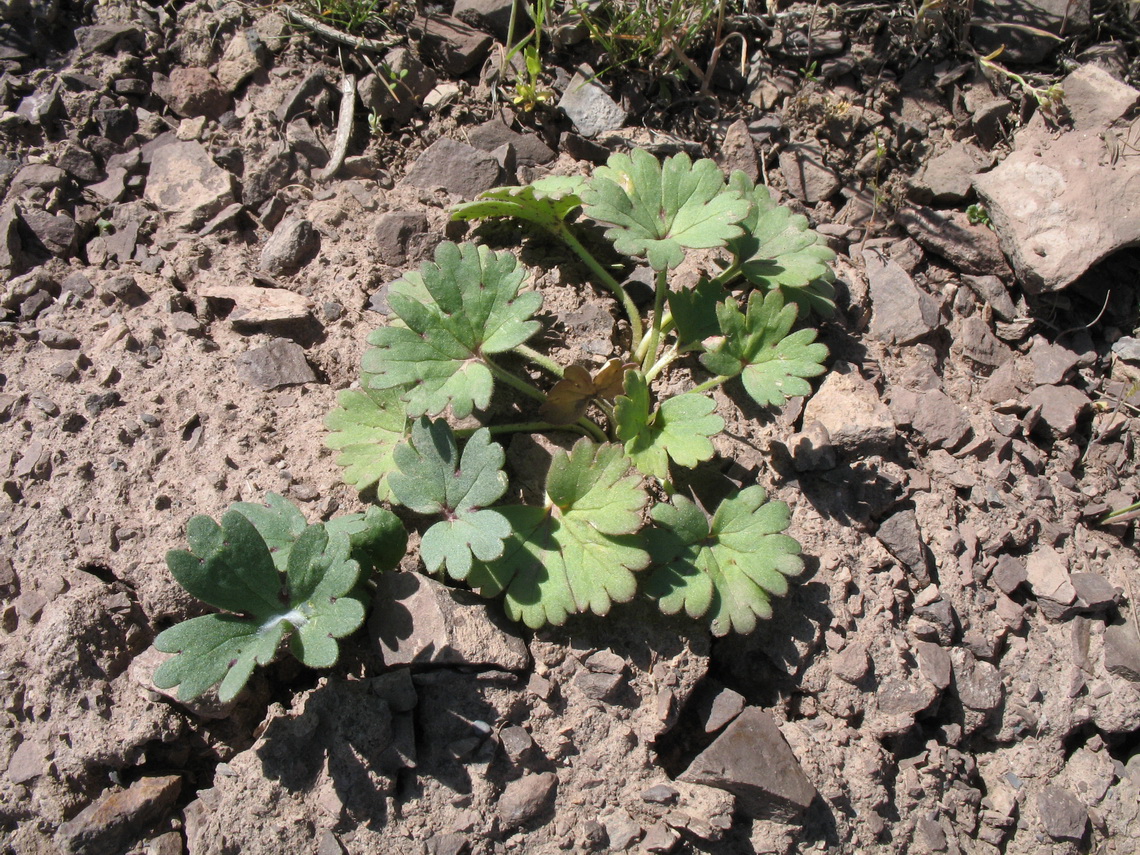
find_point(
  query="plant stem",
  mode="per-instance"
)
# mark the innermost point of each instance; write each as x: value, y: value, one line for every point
x: 727, y: 275
x: 583, y: 426
x: 713, y: 383
x: 591, y: 428
x: 655, y: 328
x: 540, y: 359
x: 661, y: 364
x: 607, y: 279
x: 514, y: 382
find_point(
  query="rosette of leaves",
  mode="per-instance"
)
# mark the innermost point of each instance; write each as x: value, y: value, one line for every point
x: 273, y: 576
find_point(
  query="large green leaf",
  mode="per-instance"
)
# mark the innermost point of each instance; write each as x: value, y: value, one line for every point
x: 678, y: 430
x: 309, y: 594
x: 579, y: 552
x: 436, y: 354
x: 780, y: 250
x: 727, y: 571
x: 757, y: 345
x: 433, y: 479
x: 547, y: 202
x: 365, y: 429
x: 657, y: 211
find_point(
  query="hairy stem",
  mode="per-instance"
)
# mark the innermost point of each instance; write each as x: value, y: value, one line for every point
x: 540, y: 359
x: 591, y: 428
x: 650, y: 354
x: 608, y: 280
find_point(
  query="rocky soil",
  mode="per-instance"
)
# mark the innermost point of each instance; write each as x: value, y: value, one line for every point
x: 192, y: 269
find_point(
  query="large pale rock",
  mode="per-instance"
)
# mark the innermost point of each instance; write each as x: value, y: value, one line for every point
x: 590, y: 108
x: 1062, y: 203
x: 752, y: 761
x: 186, y: 184
x: 418, y: 621
x: 850, y: 409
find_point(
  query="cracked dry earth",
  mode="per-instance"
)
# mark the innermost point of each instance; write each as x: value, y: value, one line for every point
x: 187, y: 290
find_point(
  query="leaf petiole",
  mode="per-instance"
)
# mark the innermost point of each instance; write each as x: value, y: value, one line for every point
x: 512, y: 380
x: 647, y: 358
x: 608, y: 280
x: 712, y: 383
x: 541, y: 360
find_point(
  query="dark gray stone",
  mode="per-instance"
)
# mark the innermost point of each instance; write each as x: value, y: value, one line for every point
x: 1122, y: 651
x: 599, y: 686
x: 494, y: 16
x: 809, y: 178
x: 299, y: 97
x: 525, y: 800
x: 456, y: 167
x: 751, y: 760
x: 978, y: 343
x: 451, y: 44
x: 304, y: 141
x: 267, y: 174
x: 902, y: 313
x: 903, y: 539
x: 950, y: 234
x: 401, y: 236
x: 58, y: 339
x: 293, y: 243
x: 529, y: 149
x: 108, y: 38
x: 126, y: 290
x: 400, y: 94
x: 1008, y: 574
x: 992, y: 291
x: 1061, y: 813
x: 1094, y: 592
x: 279, y: 363
x: 660, y: 794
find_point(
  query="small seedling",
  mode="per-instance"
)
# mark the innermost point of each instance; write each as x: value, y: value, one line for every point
x: 274, y: 576
x: 461, y: 321
x: 978, y: 215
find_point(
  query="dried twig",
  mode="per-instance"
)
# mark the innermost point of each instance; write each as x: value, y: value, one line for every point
x: 357, y: 42
x: 343, y: 128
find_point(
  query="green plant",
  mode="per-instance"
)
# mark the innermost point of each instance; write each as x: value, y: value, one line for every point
x: 461, y: 323
x: 274, y: 576
x: 530, y: 91
x: 350, y: 16
x: 978, y: 215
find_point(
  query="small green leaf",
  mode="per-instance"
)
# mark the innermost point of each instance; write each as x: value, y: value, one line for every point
x: 366, y: 429
x: 547, y: 202
x: 780, y: 250
x: 578, y: 553
x: 678, y: 430
x: 727, y: 571
x: 694, y: 312
x: 657, y: 211
x: 230, y: 566
x: 433, y: 479
x: 475, y: 308
x: 757, y: 345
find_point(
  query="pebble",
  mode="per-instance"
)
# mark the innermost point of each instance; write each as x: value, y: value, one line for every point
x: 457, y: 168
x: 1061, y: 813
x: 1122, y: 651
x: 279, y: 363
x: 111, y: 822
x: 525, y: 799
x: 293, y: 243
x: 589, y: 106
x: 58, y: 339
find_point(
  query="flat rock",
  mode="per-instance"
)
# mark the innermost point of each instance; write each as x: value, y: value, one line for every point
x: 106, y: 38
x: 947, y: 178
x: 850, y: 409
x: 1061, y: 813
x: 722, y: 708
x: 589, y: 106
x: 194, y: 92
x: 901, y: 312
x: 1009, y: 574
x: 116, y: 820
x: 934, y: 663
x: 528, y: 148
x: 1028, y: 42
x: 418, y: 621
x: 968, y: 247
x: 738, y: 151
x: 527, y: 798
x: 809, y: 177
x: 977, y: 342
x: 58, y: 233
x: 1047, y: 574
x: 494, y: 16
x: 27, y: 762
x: 1122, y: 651
x: 1061, y: 407
x: 304, y: 140
x: 279, y: 363
x: 933, y: 415
x: 993, y: 291
x: 399, y: 95
x: 293, y: 243
x: 186, y: 184
x: 1094, y: 592
x: 902, y: 698
x: 751, y: 760
x: 245, y: 54
x: 1060, y: 203
x: 454, y: 46
x: 401, y: 236
x: 1052, y: 363
x: 978, y: 683
x: 852, y: 664
x: 459, y: 169
x: 253, y: 305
